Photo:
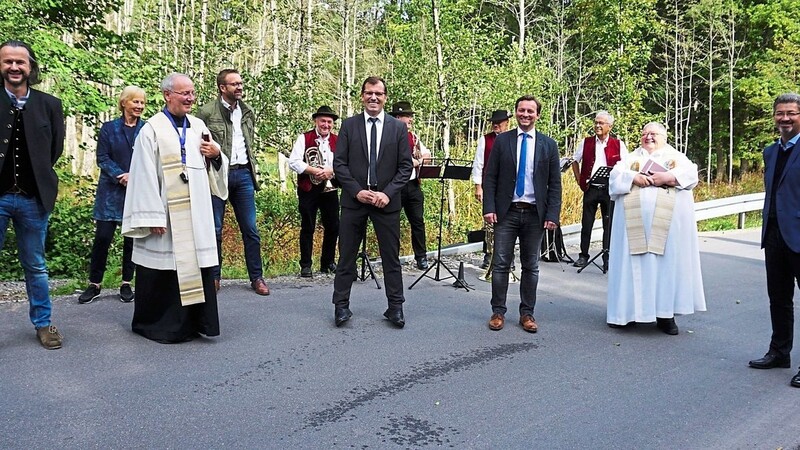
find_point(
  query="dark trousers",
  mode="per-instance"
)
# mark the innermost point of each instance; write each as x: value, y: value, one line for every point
x: 783, y: 272
x: 103, y: 236
x: 328, y: 206
x: 352, y: 227
x: 525, y: 225
x: 413, y: 201
x: 593, y: 197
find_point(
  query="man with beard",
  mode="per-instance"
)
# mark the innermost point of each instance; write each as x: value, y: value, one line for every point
x: 232, y: 124
x: 372, y: 163
x: 780, y: 231
x: 31, y: 141
x: 175, y: 168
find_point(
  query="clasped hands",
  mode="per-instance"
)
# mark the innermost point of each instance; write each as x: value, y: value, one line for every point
x: 323, y: 173
x: 656, y: 179
x: 374, y: 198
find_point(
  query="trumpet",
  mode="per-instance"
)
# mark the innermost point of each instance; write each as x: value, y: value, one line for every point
x: 314, y: 159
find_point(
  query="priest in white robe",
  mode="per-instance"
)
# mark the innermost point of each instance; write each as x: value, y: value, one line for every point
x: 174, y: 169
x: 654, y: 267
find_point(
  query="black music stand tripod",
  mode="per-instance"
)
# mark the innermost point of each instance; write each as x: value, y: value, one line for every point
x: 601, y: 177
x: 447, y: 169
x: 365, y: 264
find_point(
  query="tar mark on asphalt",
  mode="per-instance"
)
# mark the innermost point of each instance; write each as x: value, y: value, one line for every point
x: 418, y: 375
x: 410, y: 432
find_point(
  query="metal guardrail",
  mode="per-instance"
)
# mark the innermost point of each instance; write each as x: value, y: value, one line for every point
x: 709, y: 209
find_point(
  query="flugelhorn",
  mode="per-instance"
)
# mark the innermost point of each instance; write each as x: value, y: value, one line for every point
x: 314, y: 159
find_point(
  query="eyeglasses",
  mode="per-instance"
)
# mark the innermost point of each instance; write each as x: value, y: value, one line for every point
x: 371, y: 93
x: 789, y: 114
x: 238, y: 84
x: 185, y: 93
x: 652, y: 134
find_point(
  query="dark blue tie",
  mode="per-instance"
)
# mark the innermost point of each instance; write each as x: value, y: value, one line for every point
x: 523, y: 156
x: 373, y: 153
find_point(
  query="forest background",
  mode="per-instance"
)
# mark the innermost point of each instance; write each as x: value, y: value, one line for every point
x: 708, y: 69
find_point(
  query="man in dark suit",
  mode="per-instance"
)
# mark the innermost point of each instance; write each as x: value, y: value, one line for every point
x: 780, y: 231
x: 522, y: 198
x: 31, y: 141
x: 372, y: 163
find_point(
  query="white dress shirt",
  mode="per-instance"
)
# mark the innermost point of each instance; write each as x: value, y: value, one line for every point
x: 528, y: 195
x: 238, y: 145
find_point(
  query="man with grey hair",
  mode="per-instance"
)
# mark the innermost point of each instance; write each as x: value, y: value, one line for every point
x: 31, y: 141
x: 592, y: 153
x: 780, y: 231
x: 175, y: 168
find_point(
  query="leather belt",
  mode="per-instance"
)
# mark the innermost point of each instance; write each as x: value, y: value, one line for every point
x: 238, y: 166
x: 522, y: 205
x: 601, y: 186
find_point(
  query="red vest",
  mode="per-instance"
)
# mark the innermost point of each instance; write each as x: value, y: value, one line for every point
x: 303, y: 179
x: 612, y: 157
x: 487, y: 149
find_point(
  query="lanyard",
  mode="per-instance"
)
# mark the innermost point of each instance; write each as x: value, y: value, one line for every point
x: 181, y: 135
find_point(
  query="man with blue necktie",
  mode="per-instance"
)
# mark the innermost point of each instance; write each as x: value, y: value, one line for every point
x: 522, y: 198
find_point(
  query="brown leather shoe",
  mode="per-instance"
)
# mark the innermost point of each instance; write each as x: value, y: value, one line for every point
x: 260, y: 286
x: 216, y: 285
x: 496, y: 322
x: 528, y: 323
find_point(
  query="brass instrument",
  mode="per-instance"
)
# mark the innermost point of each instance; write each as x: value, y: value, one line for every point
x: 417, y: 153
x: 314, y: 159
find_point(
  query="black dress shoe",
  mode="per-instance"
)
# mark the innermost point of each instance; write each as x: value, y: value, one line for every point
x: 667, y: 325
x: 795, y: 381
x: 395, y: 315
x: 582, y: 261
x: 306, y: 272
x: 771, y: 361
x: 330, y: 268
x: 342, y: 315
x: 422, y: 264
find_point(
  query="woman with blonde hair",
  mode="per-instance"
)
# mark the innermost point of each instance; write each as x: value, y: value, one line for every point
x: 114, y: 149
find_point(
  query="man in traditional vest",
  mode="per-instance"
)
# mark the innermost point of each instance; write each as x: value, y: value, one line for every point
x: 499, y: 120
x: 31, y: 141
x: 232, y: 123
x: 592, y: 153
x: 411, y: 196
x: 312, y: 159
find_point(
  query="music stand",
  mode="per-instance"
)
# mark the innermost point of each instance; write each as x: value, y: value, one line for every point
x: 601, y: 177
x: 446, y: 169
x: 365, y: 263
x: 551, y: 247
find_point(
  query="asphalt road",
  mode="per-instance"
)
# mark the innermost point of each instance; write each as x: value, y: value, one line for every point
x: 282, y: 376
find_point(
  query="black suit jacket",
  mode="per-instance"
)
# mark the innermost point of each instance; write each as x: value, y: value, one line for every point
x: 351, y: 160
x: 500, y: 180
x: 44, y: 134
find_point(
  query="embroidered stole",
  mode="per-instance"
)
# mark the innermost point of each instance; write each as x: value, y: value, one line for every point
x: 190, y: 282
x: 662, y: 217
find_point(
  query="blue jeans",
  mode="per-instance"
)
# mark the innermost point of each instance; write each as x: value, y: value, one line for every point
x: 30, y: 225
x: 525, y: 225
x: 241, y: 195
